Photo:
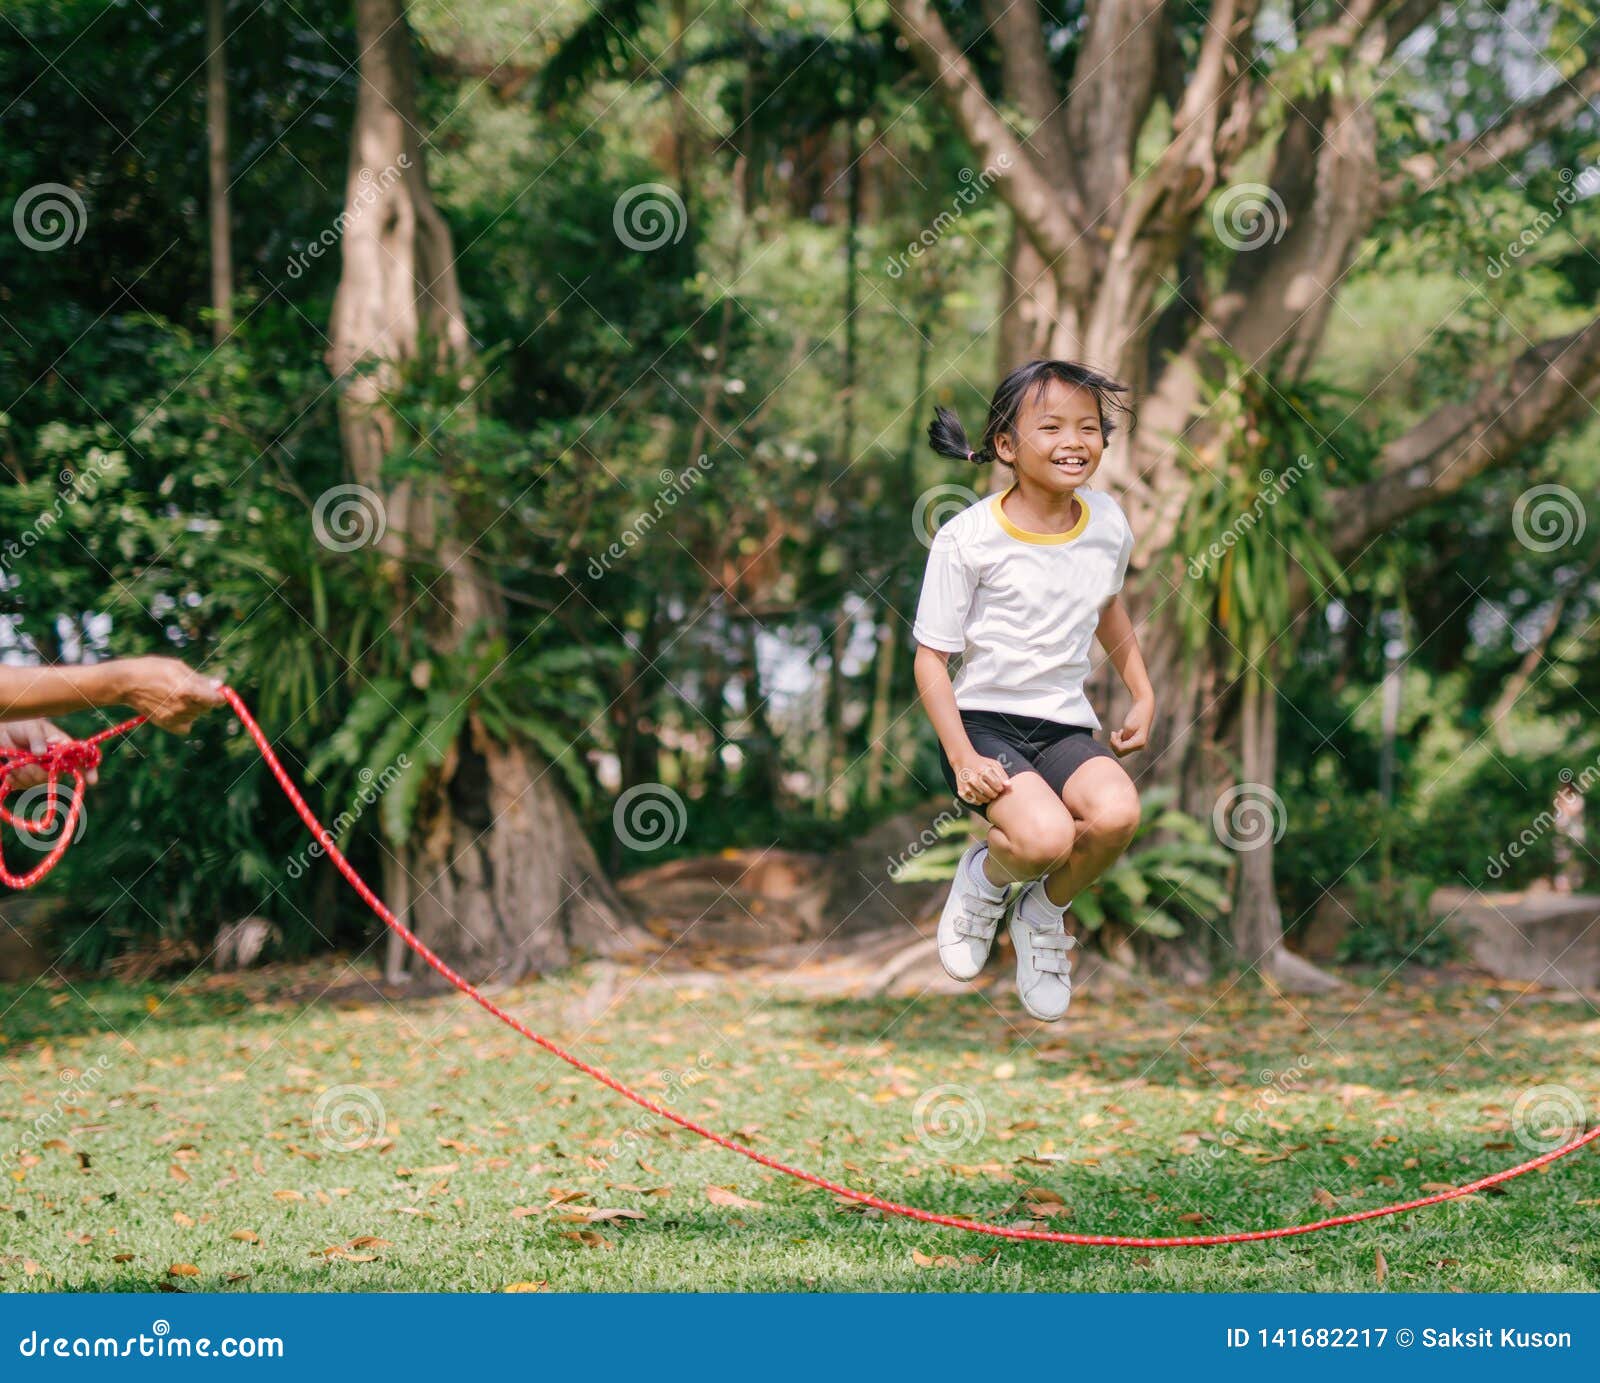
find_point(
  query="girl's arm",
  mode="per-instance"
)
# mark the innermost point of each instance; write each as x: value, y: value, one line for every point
x: 984, y: 779
x: 164, y: 689
x: 1115, y: 632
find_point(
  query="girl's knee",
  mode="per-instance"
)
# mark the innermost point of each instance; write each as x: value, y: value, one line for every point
x: 1044, y: 845
x: 1115, y: 814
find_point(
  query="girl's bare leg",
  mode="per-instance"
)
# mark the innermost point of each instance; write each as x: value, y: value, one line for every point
x: 1031, y: 831
x: 1104, y: 805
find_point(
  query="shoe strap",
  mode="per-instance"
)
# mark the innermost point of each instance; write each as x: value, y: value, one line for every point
x: 1050, y: 952
x: 980, y: 918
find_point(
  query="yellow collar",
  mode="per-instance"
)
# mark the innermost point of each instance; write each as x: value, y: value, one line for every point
x: 1025, y: 536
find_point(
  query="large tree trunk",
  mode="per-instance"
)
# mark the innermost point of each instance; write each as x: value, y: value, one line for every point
x: 1095, y: 250
x: 497, y: 876
x: 1254, y: 823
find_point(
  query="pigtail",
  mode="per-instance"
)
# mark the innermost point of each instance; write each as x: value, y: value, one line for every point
x: 947, y: 437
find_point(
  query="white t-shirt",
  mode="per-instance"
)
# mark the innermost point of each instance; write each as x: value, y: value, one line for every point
x: 1021, y: 608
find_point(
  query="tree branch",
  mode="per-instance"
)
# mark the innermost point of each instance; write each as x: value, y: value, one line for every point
x: 1029, y: 82
x: 1040, y: 206
x: 1521, y: 127
x: 1113, y: 85
x: 1546, y: 386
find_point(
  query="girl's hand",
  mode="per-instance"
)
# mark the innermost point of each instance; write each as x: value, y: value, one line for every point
x: 35, y: 736
x: 979, y: 780
x: 1135, y: 731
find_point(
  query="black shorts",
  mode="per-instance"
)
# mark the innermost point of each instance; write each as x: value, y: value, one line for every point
x: 1023, y: 743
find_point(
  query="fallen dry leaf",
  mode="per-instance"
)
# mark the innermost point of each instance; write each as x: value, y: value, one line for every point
x: 183, y: 1270
x: 596, y: 1216
x: 1383, y: 1268
x: 246, y: 1236
x: 587, y: 1237
x: 538, y: 1286
x: 721, y: 1195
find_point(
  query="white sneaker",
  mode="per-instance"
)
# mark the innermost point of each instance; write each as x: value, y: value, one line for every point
x: 969, y: 920
x: 1044, y: 962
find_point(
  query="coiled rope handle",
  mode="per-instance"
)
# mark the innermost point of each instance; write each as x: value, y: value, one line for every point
x: 72, y: 759
x: 75, y: 758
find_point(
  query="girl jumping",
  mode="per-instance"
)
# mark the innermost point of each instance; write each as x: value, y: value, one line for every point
x: 1017, y: 584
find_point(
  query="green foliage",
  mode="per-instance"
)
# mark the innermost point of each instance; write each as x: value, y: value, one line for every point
x: 157, y: 494
x: 1257, y: 510
x: 1394, y: 926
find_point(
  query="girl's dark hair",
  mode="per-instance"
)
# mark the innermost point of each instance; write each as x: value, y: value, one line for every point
x: 947, y: 437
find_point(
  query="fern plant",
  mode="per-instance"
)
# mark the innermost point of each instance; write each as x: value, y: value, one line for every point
x: 1170, y: 875
x: 398, y: 730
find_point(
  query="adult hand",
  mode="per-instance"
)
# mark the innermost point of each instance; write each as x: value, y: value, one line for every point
x: 35, y: 736
x: 169, y: 692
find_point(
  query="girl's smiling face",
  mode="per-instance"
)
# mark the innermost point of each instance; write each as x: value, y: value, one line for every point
x: 1057, y: 439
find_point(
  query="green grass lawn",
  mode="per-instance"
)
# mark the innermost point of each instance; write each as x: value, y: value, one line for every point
x: 271, y: 1135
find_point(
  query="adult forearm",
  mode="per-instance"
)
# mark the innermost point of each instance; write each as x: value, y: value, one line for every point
x: 27, y: 692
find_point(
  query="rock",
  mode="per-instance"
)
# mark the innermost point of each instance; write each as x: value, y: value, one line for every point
x: 736, y: 900
x: 739, y: 901
x: 239, y: 944
x: 24, y: 919
x: 1545, y: 938
x: 863, y: 895
x: 1330, y: 923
